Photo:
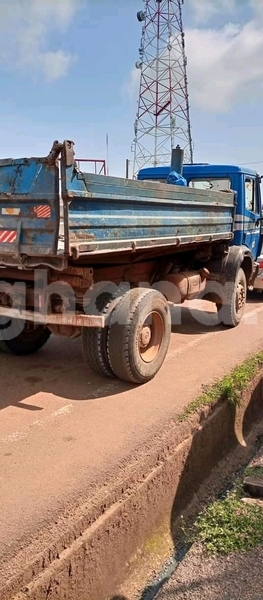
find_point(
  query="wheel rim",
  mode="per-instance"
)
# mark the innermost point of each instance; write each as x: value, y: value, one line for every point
x: 151, y: 336
x: 240, y: 297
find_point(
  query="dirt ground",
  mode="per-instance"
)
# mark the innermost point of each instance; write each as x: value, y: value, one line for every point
x: 238, y: 577
x: 66, y: 434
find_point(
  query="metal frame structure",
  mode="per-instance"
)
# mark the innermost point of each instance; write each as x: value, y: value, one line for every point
x: 99, y: 164
x: 163, y: 115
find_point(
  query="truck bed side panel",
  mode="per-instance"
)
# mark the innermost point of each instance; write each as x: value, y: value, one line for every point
x: 108, y: 213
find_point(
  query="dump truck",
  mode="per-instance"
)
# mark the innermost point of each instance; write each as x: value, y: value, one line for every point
x: 104, y: 258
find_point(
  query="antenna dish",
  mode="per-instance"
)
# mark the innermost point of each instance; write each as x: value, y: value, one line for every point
x: 138, y: 64
x: 141, y: 16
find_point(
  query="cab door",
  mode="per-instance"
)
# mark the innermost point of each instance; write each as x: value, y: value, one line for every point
x: 251, y: 220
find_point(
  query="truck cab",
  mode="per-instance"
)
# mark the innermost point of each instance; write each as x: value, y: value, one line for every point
x: 245, y: 182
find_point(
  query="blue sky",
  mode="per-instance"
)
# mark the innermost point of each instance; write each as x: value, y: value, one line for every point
x: 66, y: 72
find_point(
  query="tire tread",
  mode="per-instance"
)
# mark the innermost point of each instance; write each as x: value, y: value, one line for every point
x: 119, y: 355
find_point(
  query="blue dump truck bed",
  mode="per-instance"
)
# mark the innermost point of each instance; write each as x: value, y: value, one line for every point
x: 45, y: 222
x: 102, y: 258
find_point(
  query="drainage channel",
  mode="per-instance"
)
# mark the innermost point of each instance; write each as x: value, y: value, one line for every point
x: 238, y: 437
x: 250, y: 481
x: 137, y: 529
x: 225, y: 557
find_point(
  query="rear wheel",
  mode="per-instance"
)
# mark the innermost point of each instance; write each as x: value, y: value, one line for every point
x: 139, y: 335
x: 233, y: 307
x: 94, y: 339
x: 28, y: 341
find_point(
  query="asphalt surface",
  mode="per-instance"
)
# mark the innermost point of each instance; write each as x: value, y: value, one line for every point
x: 65, y: 433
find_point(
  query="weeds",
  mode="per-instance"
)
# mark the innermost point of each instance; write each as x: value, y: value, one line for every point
x: 256, y: 471
x: 229, y: 388
x: 230, y: 525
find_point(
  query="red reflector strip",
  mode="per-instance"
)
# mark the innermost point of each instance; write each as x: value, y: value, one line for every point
x: 7, y: 237
x: 42, y: 212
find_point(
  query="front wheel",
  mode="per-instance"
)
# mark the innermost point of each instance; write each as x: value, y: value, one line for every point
x: 24, y: 340
x: 234, y: 304
x: 139, y: 335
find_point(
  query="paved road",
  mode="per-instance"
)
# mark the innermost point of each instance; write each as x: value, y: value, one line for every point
x: 64, y: 432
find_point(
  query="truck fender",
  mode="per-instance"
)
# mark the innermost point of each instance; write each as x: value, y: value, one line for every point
x: 238, y: 257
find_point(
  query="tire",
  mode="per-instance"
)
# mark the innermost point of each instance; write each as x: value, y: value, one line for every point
x: 28, y: 341
x: 139, y: 335
x: 94, y: 340
x: 233, y: 307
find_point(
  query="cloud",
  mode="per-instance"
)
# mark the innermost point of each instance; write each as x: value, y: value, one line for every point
x: 26, y: 27
x: 131, y: 86
x: 224, y: 65
x: 56, y: 64
x: 204, y: 10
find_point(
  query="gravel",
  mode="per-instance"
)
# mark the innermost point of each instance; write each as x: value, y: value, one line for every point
x: 236, y: 577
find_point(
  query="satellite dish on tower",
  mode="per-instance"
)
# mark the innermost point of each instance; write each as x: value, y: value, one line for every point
x: 141, y: 16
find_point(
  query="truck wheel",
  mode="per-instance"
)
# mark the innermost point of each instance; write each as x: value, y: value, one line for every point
x: 30, y: 340
x: 232, y: 310
x: 94, y: 340
x: 139, y: 335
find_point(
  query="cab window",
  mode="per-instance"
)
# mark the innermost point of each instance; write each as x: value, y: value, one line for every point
x: 210, y: 183
x: 251, y: 200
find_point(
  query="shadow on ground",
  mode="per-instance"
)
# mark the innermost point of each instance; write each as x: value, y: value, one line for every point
x: 59, y: 367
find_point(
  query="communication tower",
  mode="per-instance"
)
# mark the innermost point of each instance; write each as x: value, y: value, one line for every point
x: 163, y: 117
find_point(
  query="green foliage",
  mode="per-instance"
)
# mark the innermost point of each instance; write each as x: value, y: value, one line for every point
x: 229, y: 388
x: 230, y: 525
x: 255, y: 471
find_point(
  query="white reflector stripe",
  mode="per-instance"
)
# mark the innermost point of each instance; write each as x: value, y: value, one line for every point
x: 8, y: 237
x: 11, y: 211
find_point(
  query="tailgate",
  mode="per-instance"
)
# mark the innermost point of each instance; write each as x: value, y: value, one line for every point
x: 29, y: 210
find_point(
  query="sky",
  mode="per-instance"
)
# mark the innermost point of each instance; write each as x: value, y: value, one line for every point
x: 67, y: 72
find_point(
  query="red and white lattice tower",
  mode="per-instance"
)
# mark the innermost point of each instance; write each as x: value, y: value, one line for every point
x: 163, y: 118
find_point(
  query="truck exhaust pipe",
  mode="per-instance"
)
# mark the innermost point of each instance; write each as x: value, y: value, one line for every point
x: 177, y: 160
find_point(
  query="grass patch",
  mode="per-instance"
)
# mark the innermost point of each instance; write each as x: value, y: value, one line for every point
x: 229, y: 388
x: 255, y: 471
x: 229, y: 526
